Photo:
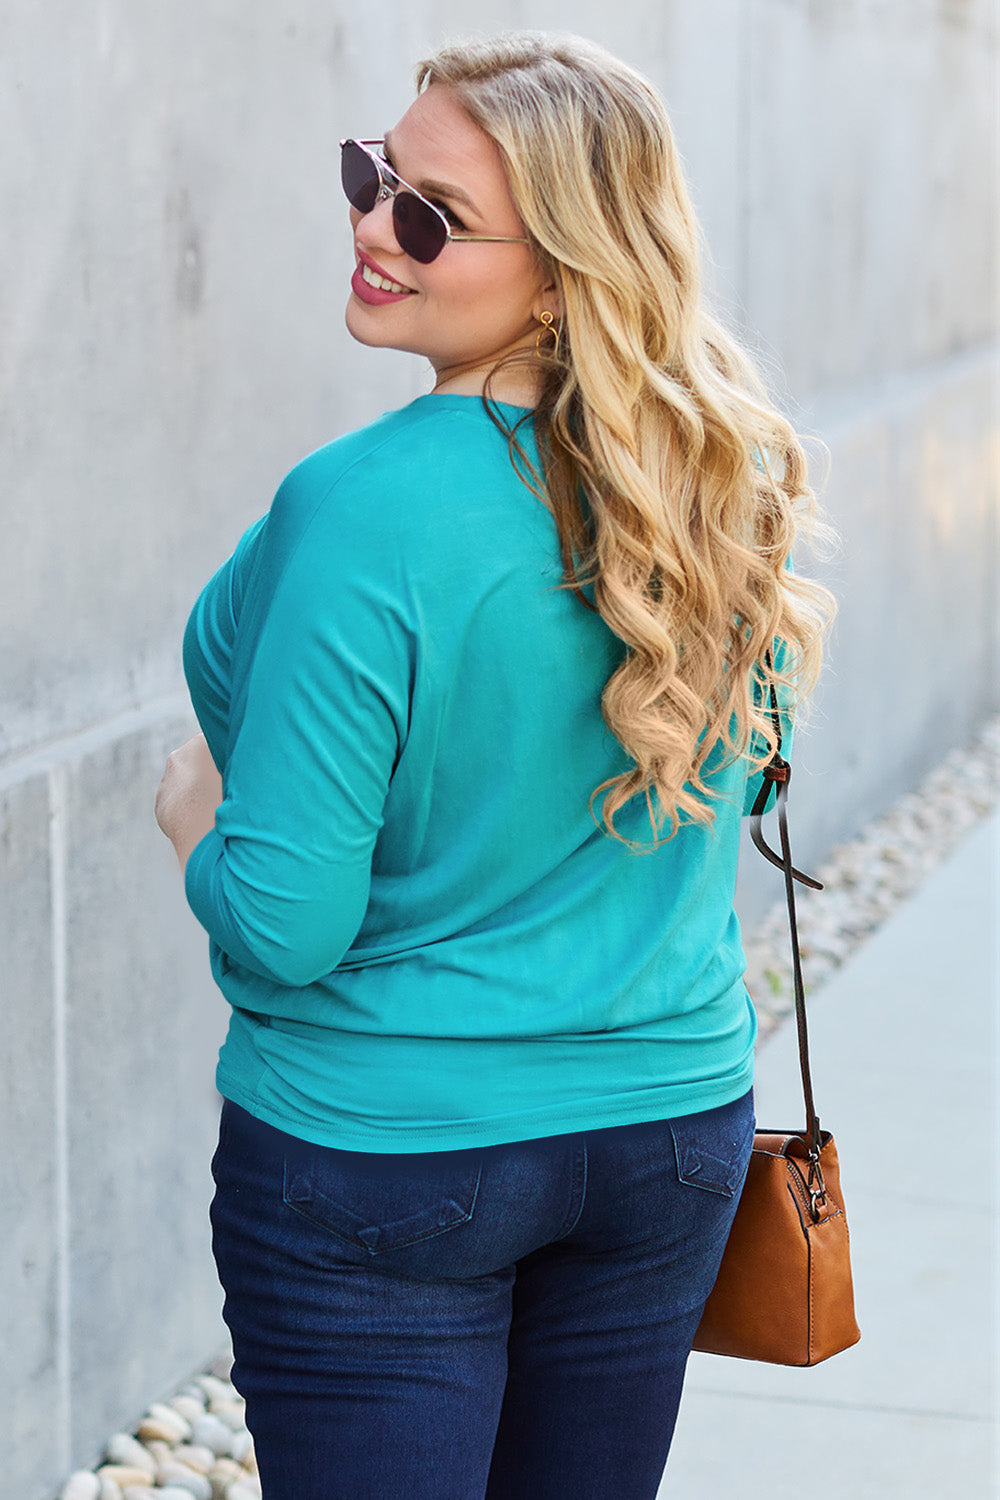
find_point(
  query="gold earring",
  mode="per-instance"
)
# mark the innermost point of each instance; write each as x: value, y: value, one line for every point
x: 547, y: 320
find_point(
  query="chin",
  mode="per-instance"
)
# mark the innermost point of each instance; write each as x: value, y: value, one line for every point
x: 363, y: 330
x: 369, y: 331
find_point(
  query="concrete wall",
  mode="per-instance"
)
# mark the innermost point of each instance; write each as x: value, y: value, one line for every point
x: 173, y: 269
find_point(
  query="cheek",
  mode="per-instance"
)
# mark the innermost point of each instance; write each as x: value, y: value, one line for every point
x: 477, y: 286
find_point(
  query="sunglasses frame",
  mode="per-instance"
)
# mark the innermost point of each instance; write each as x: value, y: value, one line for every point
x: 388, y: 175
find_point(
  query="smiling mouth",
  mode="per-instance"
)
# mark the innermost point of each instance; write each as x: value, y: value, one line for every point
x: 380, y: 283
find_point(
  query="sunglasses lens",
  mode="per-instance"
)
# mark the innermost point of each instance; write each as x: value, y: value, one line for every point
x: 421, y: 233
x: 359, y: 177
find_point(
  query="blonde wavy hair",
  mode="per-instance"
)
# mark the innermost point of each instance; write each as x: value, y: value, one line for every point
x: 677, y: 487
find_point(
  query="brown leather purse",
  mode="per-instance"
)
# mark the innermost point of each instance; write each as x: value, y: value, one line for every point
x: 784, y: 1293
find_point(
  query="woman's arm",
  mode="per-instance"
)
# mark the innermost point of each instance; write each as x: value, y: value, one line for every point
x: 280, y: 877
x: 210, y: 640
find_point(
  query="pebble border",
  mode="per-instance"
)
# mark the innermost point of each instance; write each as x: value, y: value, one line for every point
x: 866, y: 879
x: 195, y: 1446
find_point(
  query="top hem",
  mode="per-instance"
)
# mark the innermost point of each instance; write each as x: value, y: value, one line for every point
x: 663, y: 1102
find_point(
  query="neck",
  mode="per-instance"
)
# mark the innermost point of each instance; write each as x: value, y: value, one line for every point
x: 515, y: 382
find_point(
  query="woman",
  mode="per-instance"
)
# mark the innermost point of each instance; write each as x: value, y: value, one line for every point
x: 485, y: 691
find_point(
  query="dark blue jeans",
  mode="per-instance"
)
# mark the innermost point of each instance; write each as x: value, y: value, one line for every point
x: 502, y: 1323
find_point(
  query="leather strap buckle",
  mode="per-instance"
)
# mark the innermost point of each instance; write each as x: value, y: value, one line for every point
x: 815, y: 1187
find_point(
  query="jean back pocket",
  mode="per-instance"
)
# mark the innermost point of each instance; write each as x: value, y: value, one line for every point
x: 379, y: 1204
x: 712, y: 1149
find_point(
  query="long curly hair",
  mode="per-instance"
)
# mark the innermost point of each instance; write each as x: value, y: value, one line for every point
x: 677, y: 487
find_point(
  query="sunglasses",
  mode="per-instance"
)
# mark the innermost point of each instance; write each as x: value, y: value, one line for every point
x: 421, y: 230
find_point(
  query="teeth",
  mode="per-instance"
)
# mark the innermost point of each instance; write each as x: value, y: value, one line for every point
x: 382, y: 283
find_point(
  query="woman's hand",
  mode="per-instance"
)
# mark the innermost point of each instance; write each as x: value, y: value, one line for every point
x: 188, y: 794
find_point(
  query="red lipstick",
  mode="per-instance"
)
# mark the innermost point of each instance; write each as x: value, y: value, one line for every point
x: 374, y: 295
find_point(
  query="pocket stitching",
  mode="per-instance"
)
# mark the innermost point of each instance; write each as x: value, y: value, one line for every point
x: 307, y: 1207
x: 689, y: 1158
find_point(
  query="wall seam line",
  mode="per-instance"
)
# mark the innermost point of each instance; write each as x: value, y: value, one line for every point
x: 43, y: 759
x: 57, y: 867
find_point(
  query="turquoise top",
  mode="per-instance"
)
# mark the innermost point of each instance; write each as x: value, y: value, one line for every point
x: 426, y: 940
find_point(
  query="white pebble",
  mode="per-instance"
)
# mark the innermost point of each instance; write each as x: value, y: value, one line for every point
x: 233, y: 1413
x: 173, y: 1492
x: 243, y: 1489
x: 209, y: 1432
x: 123, y: 1474
x: 140, y: 1492
x: 242, y: 1445
x: 83, y: 1485
x: 225, y: 1468
x: 169, y: 1424
x: 151, y: 1431
x: 195, y: 1456
x: 223, y: 1474
x: 215, y: 1389
x: 195, y: 1393
x: 123, y: 1449
x: 178, y: 1476
x: 188, y: 1407
x: 109, y: 1490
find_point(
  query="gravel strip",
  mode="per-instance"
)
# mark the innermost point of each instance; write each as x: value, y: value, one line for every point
x: 866, y: 879
x: 195, y: 1445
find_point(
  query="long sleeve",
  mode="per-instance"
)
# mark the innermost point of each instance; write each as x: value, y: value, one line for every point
x: 282, y: 881
x: 209, y: 641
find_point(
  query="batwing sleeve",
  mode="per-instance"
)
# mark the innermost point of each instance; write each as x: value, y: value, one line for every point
x: 281, y: 883
x: 209, y: 640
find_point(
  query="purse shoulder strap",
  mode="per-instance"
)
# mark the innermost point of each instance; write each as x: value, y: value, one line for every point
x: 778, y: 773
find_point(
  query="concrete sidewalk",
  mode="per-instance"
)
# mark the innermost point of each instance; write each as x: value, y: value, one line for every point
x: 904, y: 1052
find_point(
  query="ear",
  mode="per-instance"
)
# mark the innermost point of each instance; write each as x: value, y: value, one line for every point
x: 549, y: 299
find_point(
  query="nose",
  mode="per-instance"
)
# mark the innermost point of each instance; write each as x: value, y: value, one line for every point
x: 378, y: 226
